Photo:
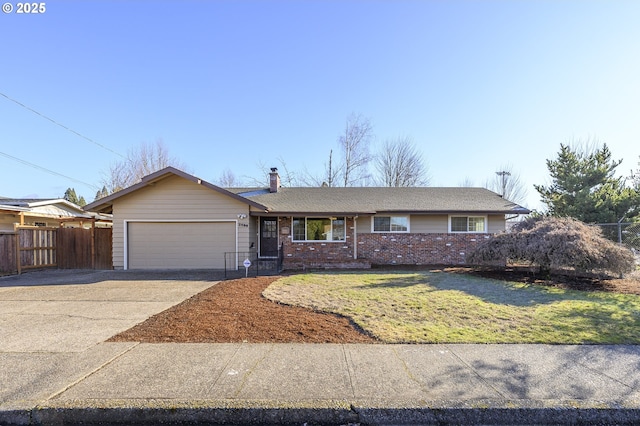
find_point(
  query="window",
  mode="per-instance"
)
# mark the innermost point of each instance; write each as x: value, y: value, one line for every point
x: 391, y: 224
x: 269, y: 229
x: 319, y: 229
x: 468, y: 223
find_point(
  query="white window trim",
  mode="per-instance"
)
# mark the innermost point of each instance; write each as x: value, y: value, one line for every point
x: 408, y: 217
x: 331, y: 218
x: 486, y: 223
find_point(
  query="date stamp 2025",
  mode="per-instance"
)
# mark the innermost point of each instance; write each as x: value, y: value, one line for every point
x: 24, y: 8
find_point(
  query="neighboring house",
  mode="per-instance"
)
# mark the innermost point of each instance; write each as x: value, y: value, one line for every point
x: 46, y: 212
x: 172, y: 219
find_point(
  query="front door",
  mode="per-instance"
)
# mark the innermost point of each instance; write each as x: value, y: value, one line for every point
x: 268, y: 237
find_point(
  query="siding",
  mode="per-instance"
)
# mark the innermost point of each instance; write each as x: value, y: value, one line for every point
x: 7, y: 221
x: 175, y: 198
x: 496, y: 223
x: 429, y: 224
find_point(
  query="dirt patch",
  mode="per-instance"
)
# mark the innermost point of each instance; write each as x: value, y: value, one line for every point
x: 235, y: 311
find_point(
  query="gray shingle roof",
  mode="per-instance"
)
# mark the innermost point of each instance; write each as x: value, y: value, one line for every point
x: 369, y: 200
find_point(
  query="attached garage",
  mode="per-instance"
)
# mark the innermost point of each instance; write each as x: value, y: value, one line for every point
x: 173, y: 220
x: 179, y: 245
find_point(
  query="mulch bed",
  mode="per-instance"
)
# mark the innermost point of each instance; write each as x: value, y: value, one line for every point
x: 235, y: 311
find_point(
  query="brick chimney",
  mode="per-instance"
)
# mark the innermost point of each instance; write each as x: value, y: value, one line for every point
x: 274, y: 180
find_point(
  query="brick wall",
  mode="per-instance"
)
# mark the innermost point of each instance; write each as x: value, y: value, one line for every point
x: 377, y: 249
x: 319, y: 254
x: 417, y: 249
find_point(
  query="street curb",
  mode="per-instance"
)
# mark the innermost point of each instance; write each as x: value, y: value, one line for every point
x: 151, y: 412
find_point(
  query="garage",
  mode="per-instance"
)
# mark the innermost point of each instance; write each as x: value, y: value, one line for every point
x: 179, y: 245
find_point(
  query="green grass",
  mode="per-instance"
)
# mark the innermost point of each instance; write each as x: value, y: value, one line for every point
x: 441, y: 307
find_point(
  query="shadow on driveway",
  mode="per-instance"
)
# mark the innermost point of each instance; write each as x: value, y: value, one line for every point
x: 85, y: 276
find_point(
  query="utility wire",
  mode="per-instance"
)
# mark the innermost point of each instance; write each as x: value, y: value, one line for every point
x: 35, y: 166
x: 63, y: 126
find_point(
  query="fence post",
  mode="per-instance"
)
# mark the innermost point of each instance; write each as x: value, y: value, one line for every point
x: 620, y: 231
x: 18, y: 265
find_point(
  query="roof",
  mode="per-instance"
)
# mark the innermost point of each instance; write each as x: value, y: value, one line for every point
x: 105, y: 204
x: 47, y: 207
x: 37, y: 202
x: 371, y: 200
x: 342, y: 201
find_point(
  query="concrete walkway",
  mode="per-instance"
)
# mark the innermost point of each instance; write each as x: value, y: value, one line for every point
x: 72, y: 376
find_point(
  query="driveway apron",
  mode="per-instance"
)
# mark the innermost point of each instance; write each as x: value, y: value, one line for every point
x: 53, y: 323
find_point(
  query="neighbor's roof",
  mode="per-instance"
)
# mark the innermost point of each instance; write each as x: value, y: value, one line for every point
x: 37, y: 202
x: 47, y: 207
x: 371, y: 200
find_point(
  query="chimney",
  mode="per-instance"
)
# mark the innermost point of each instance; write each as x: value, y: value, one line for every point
x: 274, y: 180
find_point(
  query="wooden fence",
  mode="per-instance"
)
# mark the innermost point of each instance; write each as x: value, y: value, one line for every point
x: 63, y: 248
x: 8, y: 254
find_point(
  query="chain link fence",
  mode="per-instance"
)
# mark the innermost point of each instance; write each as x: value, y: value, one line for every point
x: 623, y: 233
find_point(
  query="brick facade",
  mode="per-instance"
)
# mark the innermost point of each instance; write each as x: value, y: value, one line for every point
x: 376, y: 249
x: 318, y: 254
x: 417, y: 249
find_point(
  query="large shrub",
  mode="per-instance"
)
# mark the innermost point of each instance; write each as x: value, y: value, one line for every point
x: 552, y: 242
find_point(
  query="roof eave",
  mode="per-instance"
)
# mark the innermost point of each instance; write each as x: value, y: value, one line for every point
x: 312, y: 213
x: 104, y: 203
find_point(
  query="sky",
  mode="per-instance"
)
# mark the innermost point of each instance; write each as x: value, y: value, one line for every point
x: 235, y: 85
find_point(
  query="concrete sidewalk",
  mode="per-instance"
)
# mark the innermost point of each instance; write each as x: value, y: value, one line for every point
x: 127, y: 383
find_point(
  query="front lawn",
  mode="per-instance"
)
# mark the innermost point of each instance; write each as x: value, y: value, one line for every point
x: 441, y: 307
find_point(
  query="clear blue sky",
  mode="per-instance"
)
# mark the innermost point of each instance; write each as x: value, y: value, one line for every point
x: 229, y: 84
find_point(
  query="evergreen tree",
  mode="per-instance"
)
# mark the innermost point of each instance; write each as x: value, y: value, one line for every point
x: 584, y: 187
x: 71, y: 196
x: 101, y: 193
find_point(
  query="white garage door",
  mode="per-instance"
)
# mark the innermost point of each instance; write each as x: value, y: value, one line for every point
x: 179, y: 245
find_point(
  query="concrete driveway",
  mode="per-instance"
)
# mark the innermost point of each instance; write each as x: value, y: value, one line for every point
x: 71, y: 311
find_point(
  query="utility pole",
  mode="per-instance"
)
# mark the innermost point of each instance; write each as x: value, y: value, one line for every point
x: 503, y: 174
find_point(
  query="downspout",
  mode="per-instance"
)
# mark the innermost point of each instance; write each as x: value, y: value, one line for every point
x: 355, y: 237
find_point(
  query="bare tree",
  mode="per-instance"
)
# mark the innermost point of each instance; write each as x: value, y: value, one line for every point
x: 467, y: 182
x: 228, y: 179
x: 142, y: 160
x: 354, y: 144
x: 288, y: 178
x: 508, y: 184
x: 329, y: 177
x: 400, y: 164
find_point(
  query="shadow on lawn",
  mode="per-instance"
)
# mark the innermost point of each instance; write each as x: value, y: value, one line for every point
x: 491, y: 291
x: 497, y: 292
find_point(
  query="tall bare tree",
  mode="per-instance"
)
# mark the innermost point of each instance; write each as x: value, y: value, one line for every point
x: 141, y: 160
x: 399, y: 163
x: 508, y: 183
x: 330, y: 175
x: 354, y: 144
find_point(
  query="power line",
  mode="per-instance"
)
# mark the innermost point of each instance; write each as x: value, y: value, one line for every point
x: 44, y: 169
x: 62, y: 125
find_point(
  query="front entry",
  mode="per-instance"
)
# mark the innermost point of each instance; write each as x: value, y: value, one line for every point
x: 268, y: 237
